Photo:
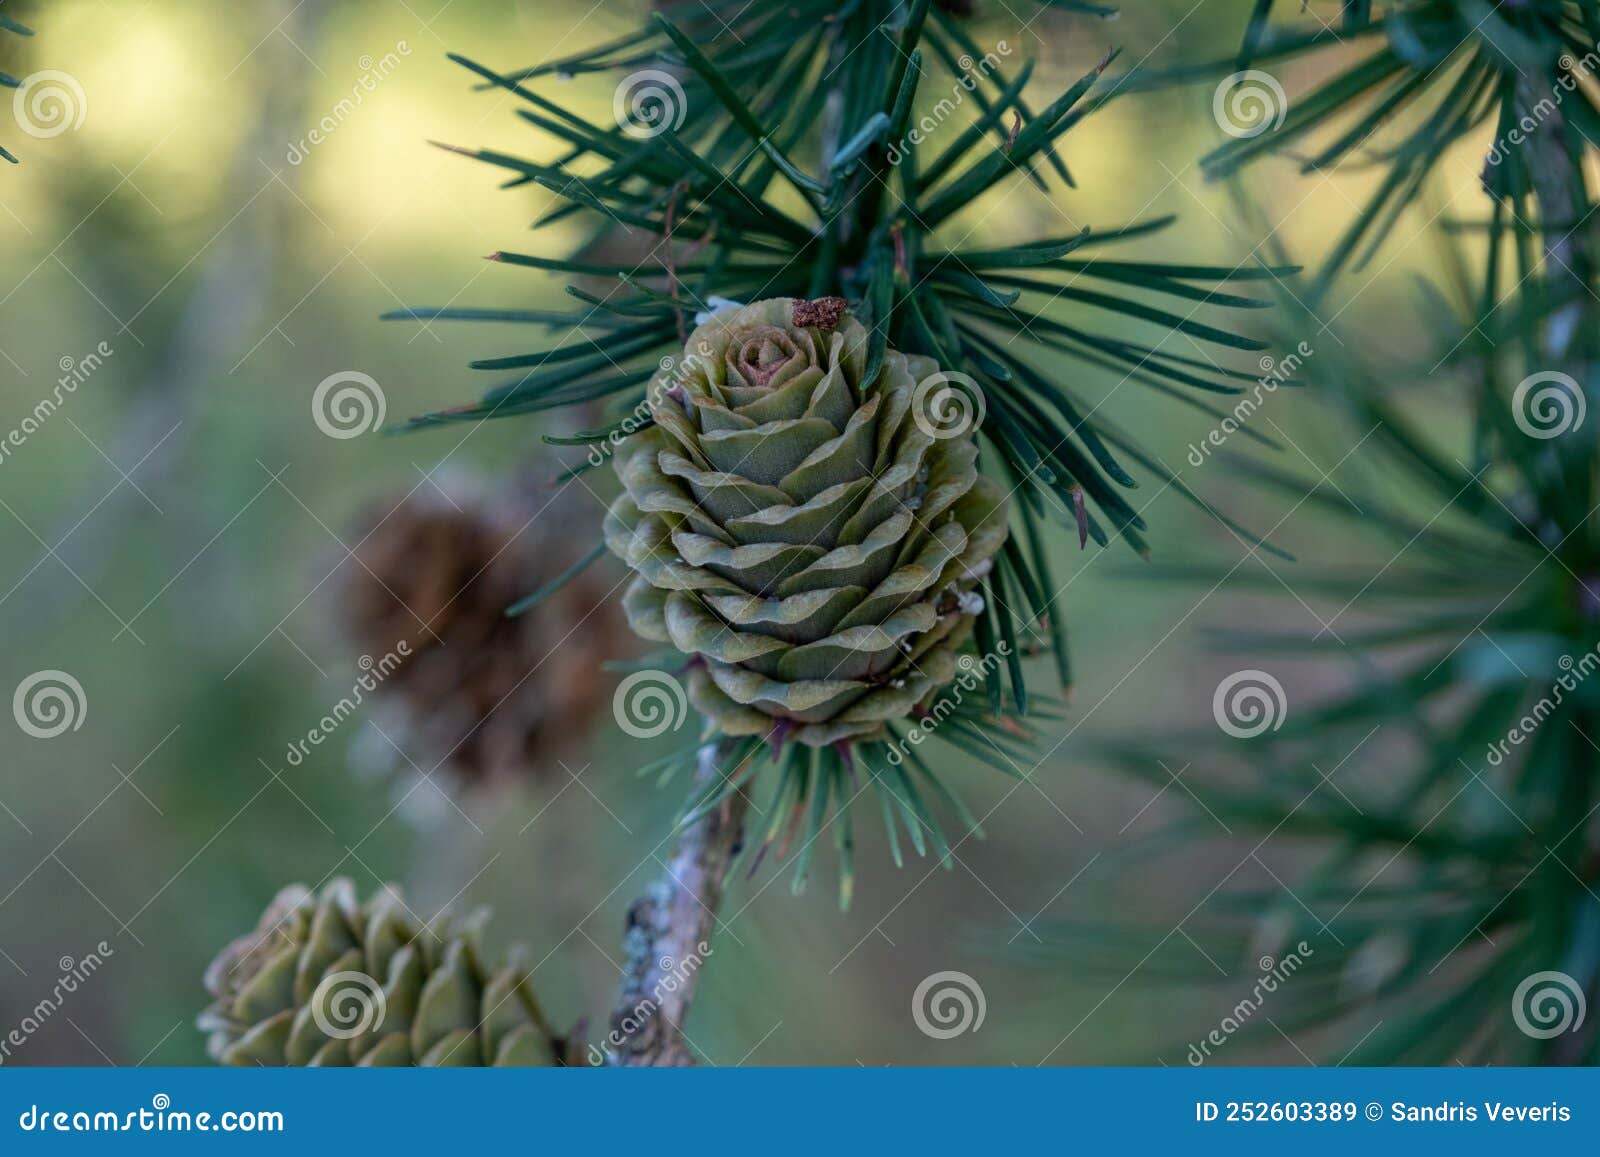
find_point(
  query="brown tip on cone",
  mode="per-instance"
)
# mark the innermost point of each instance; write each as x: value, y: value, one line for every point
x: 824, y: 313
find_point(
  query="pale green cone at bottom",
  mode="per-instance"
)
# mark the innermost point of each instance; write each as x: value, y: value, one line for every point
x: 324, y: 980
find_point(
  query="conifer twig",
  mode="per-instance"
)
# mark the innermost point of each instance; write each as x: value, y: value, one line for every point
x: 1556, y: 173
x: 1554, y: 161
x: 670, y: 927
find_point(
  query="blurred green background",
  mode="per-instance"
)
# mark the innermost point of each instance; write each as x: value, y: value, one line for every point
x: 170, y: 535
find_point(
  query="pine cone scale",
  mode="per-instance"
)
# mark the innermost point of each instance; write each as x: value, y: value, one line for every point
x: 327, y: 981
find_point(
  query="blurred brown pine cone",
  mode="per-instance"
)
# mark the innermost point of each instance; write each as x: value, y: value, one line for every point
x: 483, y: 698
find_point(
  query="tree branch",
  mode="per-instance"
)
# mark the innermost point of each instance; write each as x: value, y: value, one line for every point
x: 1555, y: 169
x: 1554, y: 158
x: 670, y: 928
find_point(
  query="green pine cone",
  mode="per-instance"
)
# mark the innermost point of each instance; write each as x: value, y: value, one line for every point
x: 324, y: 980
x: 812, y: 539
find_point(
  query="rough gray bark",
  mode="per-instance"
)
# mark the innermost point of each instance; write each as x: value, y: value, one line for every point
x: 669, y: 933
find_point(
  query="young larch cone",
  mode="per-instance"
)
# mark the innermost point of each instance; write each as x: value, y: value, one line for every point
x: 327, y: 981
x: 812, y: 539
